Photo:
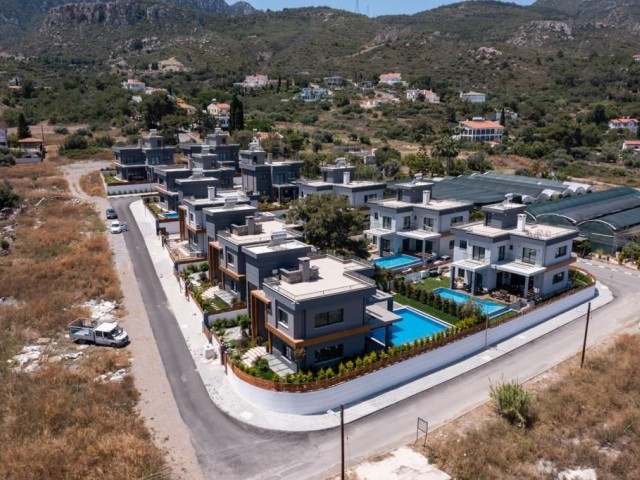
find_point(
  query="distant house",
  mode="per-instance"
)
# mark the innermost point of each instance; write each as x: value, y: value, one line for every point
x: 631, y: 145
x: 134, y: 85
x: 152, y: 90
x: 218, y: 109
x: 335, y: 82
x: 428, y: 95
x: 481, y: 130
x: 313, y: 94
x: 627, y: 123
x: 473, y: 97
x: 256, y: 81
x: 636, y: 57
x: 189, y: 109
x: 391, y: 79
x: 31, y: 150
x: 4, y: 135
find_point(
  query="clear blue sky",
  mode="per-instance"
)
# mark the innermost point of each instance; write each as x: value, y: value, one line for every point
x: 373, y: 7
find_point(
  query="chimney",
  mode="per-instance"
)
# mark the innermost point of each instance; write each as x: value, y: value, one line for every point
x: 189, y: 163
x: 251, y: 225
x: 269, y: 158
x: 522, y: 221
x: 426, y: 197
x: 305, y: 268
x: 346, y: 177
x: 211, y: 193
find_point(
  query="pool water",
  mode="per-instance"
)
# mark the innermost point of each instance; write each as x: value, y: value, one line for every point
x: 172, y: 215
x: 396, y: 261
x: 488, y: 307
x: 414, y: 325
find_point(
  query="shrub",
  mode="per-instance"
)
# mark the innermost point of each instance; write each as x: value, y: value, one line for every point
x: 512, y: 403
x: 61, y: 130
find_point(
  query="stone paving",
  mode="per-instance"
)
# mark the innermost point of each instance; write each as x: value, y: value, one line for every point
x: 226, y: 399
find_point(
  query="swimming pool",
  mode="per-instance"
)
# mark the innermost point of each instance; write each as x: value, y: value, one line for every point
x: 488, y: 307
x: 414, y: 324
x: 171, y: 215
x: 397, y: 261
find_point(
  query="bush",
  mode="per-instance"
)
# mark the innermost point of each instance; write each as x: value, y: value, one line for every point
x: 61, y: 130
x: 512, y: 403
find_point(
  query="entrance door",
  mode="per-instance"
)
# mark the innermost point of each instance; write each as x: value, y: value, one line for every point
x: 406, y: 244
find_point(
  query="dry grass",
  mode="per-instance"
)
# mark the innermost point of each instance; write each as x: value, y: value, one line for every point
x: 589, y: 418
x: 59, y: 422
x: 92, y: 184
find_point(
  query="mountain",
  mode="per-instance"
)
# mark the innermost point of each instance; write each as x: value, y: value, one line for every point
x: 20, y: 18
x: 621, y: 11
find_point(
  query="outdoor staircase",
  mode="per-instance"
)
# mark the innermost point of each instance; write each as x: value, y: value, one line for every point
x: 275, y: 364
x: 209, y: 293
x: 218, y: 292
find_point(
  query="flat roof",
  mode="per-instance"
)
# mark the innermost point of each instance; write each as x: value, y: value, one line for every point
x: 432, y: 205
x: 268, y: 227
x: 535, y: 231
x: 287, y: 245
x: 331, y: 281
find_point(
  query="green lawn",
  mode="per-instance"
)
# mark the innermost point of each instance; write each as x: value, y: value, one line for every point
x: 431, y: 283
x: 426, y: 309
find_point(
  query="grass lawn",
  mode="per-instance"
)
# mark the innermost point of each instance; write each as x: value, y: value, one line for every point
x: 426, y: 309
x: 431, y: 283
x: 219, y: 304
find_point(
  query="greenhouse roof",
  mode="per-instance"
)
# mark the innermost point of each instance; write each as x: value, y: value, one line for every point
x: 486, y: 189
x: 620, y: 205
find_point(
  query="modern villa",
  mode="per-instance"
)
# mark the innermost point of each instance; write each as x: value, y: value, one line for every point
x: 504, y: 252
x: 414, y: 222
x: 137, y: 161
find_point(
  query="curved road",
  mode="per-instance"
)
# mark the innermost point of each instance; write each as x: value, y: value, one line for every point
x: 229, y: 449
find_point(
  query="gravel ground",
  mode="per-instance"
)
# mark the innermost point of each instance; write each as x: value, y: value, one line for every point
x: 157, y: 405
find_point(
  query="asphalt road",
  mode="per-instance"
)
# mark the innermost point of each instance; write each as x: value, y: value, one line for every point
x: 228, y: 449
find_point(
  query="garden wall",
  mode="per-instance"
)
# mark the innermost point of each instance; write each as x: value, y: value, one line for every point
x: 129, y: 188
x: 380, y: 380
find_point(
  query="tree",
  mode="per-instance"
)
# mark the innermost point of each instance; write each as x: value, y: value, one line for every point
x: 23, y: 127
x: 156, y: 106
x: 446, y: 148
x: 330, y: 222
x: 236, y: 114
x: 6, y: 158
x: 8, y: 198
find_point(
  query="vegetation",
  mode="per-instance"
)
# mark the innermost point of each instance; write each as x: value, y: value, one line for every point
x: 512, y: 402
x: 587, y: 418
x: 329, y: 223
x: 92, y: 185
x: 58, y: 421
x: 8, y: 198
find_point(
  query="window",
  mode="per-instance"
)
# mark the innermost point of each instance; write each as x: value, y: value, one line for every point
x: 368, y: 198
x: 283, y: 318
x: 457, y: 220
x: 406, y: 223
x: 427, y: 223
x: 233, y: 286
x: 558, y: 277
x: 231, y: 259
x: 561, y: 252
x: 386, y: 223
x: 501, y: 253
x: 376, y: 215
x: 329, y: 353
x: 328, y: 318
x: 463, y: 244
x: 452, y: 243
x: 529, y: 255
x: 478, y: 253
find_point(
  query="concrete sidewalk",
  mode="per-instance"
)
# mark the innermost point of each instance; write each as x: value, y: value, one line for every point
x: 213, y: 375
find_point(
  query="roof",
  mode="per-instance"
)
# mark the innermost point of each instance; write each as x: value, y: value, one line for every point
x: 617, y: 207
x: 475, y: 124
x: 632, y: 142
x: 388, y: 76
x: 30, y: 140
x: 624, y: 120
x: 471, y: 93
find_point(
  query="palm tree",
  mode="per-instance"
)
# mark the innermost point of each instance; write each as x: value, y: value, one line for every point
x: 447, y: 148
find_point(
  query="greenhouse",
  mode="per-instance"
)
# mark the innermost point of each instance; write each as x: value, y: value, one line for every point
x: 606, y: 219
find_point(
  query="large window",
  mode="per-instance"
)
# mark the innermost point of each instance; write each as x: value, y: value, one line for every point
x: 329, y: 353
x: 457, y: 220
x: 231, y: 260
x: 478, y: 253
x: 501, y: 252
x: 529, y: 255
x: 328, y: 318
x: 561, y: 251
x: 386, y: 223
x: 427, y: 223
x: 463, y: 244
x: 283, y: 317
x: 558, y: 277
x: 406, y: 222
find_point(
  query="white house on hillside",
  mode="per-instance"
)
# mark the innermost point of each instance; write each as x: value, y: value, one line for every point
x: 627, y: 123
x: 473, y: 97
x: 428, y: 95
x: 481, y: 130
x: 391, y: 79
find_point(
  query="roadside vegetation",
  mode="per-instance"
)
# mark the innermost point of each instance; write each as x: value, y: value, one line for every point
x: 587, y: 418
x: 92, y: 184
x: 58, y: 421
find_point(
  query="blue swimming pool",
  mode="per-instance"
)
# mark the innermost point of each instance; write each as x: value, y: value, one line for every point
x: 414, y: 324
x: 488, y: 307
x: 397, y: 261
x: 172, y: 215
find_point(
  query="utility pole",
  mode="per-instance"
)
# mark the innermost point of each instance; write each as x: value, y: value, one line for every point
x: 586, y: 329
x: 342, y: 477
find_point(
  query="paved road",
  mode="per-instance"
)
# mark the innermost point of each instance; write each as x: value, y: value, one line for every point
x: 228, y: 449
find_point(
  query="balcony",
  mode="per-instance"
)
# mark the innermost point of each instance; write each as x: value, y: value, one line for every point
x: 184, y: 252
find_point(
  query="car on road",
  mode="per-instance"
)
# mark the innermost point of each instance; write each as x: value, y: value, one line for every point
x: 111, y: 214
x: 118, y: 227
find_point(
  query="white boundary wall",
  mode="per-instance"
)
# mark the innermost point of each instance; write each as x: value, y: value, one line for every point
x: 368, y: 385
x: 127, y: 189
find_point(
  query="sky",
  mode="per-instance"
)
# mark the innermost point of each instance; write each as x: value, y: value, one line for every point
x: 373, y: 8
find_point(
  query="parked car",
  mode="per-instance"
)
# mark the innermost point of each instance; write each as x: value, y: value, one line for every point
x: 85, y: 330
x: 118, y: 227
x: 111, y: 214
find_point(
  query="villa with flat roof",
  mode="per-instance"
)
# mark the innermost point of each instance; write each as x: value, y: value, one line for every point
x: 136, y: 162
x: 504, y: 252
x: 338, y: 179
x: 217, y: 143
x: 320, y: 312
x: 414, y: 222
